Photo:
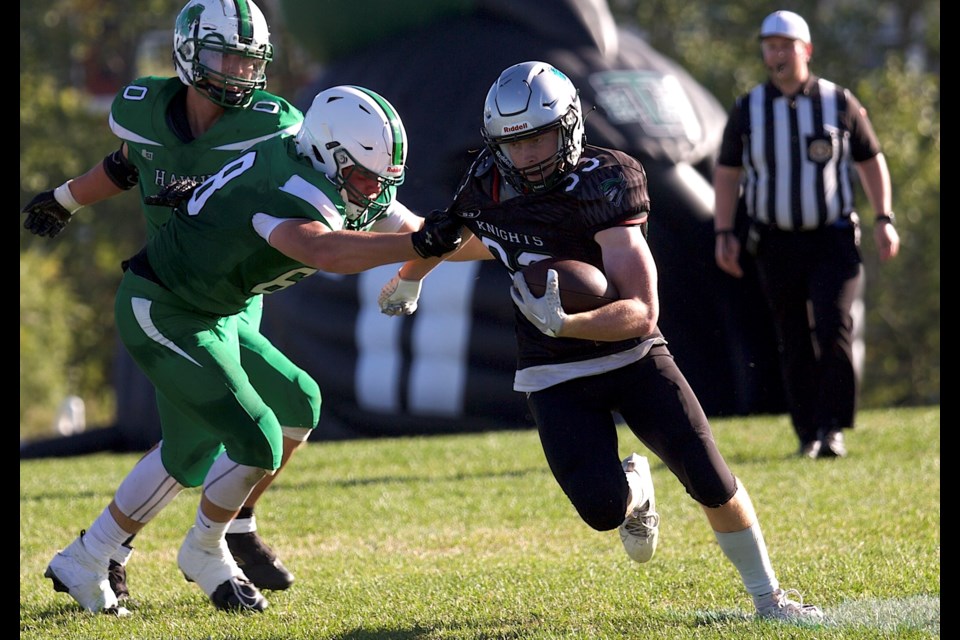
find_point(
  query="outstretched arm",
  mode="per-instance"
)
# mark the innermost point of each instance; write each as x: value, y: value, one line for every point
x: 345, y: 252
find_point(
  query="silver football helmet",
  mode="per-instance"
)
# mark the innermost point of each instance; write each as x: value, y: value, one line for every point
x: 526, y: 100
x: 349, y: 129
x: 222, y: 47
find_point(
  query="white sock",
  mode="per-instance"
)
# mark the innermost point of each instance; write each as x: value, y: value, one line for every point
x: 104, y: 537
x: 227, y: 485
x: 748, y: 553
x: 243, y: 525
x: 207, y: 532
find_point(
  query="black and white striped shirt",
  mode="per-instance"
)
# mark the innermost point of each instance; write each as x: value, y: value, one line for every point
x: 797, y: 152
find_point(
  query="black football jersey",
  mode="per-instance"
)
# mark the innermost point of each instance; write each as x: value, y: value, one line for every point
x: 608, y: 188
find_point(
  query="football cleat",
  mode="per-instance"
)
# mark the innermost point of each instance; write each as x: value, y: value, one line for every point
x: 641, y: 529
x: 258, y: 561
x: 238, y: 594
x: 117, y: 572
x: 788, y: 606
x: 76, y: 572
x: 216, y: 572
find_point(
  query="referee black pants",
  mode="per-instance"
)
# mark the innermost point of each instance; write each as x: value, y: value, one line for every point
x: 811, y: 280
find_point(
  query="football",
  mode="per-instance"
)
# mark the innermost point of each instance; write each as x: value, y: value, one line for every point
x: 583, y: 287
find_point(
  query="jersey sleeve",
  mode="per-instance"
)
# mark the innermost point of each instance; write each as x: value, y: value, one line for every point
x: 864, y: 143
x: 613, y: 193
x: 397, y: 216
x: 731, y: 147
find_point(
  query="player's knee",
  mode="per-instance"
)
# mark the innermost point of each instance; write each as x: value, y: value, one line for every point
x: 603, y: 515
x: 302, y: 406
x: 311, y: 391
x: 715, y: 493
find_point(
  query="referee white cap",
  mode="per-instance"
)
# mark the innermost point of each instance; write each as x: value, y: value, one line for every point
x: 786, y: 24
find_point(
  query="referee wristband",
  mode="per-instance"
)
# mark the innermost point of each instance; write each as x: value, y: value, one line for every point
x: 886, y: 217
x: 723, y: 232
x: 64, y: 197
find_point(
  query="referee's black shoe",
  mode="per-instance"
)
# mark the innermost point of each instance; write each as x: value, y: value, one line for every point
x: 809, y: 449
x: 832, y: 445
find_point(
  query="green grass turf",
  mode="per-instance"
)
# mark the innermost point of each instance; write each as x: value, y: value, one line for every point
x: 469, y: 537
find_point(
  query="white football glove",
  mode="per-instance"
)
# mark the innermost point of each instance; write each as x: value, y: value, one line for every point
x: 546, y: 312
x: 399, y: 297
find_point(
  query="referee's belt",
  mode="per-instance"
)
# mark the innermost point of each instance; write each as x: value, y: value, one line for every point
x: 846, y: 221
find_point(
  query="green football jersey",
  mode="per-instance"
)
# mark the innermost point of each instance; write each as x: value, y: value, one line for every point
x: 209, y: 253
x: 139, y: 117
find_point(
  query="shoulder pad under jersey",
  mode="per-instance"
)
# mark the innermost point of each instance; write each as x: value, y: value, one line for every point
x: 139, y: 107
x: 611, y: 186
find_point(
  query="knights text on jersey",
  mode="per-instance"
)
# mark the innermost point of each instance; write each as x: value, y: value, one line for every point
x: 797, y: 153
x: 210, y: 255
x: 608, y: 188
x: 139, y: 117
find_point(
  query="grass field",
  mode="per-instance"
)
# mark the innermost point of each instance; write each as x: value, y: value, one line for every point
x: 468, y: 537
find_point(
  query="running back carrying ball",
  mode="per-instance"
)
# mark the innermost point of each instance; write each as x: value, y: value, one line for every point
x: 583, y: 287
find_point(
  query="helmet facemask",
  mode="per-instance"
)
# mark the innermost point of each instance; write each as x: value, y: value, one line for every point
x: 228, y: 76
x: 362, y: 207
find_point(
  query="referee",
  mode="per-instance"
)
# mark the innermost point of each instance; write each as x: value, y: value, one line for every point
x: 788, y: 149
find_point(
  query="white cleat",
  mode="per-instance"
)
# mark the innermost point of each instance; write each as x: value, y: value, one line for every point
x: 788, y: 606
x: 640, y: 530
x: 76, y: 572
x: 217, y: 573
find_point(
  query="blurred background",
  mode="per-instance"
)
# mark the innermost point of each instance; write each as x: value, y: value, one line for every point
x: 661, y: 76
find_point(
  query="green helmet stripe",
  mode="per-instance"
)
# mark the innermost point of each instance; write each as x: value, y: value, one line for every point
x: 393, y: 119
x: 244, y: 19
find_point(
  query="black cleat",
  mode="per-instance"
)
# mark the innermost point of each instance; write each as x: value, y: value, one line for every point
x: 117, y: 574
x: 258, y: 561
x: 238, y: 594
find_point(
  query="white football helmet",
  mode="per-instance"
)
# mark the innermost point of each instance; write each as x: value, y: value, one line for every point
x: 222, y: 47
x: 526, y: 100
x: 350, y: 128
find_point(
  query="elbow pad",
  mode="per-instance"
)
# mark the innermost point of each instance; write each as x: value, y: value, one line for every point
x: 120, y: 170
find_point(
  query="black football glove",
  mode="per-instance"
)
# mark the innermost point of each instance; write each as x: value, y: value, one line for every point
x: 174, y: 193
x: 45, y: 216
x: 440, y: 235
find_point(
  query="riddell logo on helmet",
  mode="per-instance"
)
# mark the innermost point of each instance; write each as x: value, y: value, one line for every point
x: 394, y: 169
x: 513, y: 128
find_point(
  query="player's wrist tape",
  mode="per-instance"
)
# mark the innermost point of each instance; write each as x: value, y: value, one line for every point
x: 63, y: 196
x: 886, y: 217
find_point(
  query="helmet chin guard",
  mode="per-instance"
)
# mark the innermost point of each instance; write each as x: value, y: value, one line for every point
x: 528, y: 100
